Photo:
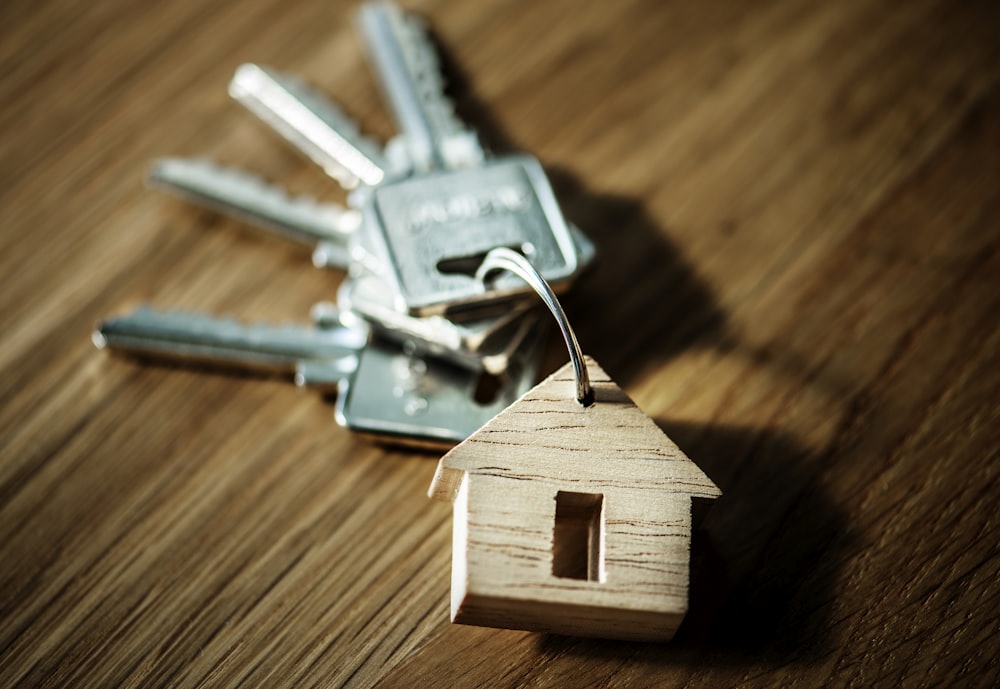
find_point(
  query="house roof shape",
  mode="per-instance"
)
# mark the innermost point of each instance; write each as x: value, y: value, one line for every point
x: 546, y: 434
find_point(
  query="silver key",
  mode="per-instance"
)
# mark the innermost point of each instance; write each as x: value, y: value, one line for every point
x: 311, y: 123
x: 443, y: 206
x: 326, y: 227
x: 486, y: 342
x: 399, y: 396
x: 193, y: 337
x: 431, y: 232
x: 427, y: 233
x: 406, y: 64
x: 483, y: 342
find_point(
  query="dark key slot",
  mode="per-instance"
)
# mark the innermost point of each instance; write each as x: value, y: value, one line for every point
x: 467, y: 265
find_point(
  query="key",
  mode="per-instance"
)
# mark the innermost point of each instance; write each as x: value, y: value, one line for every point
x: 423, y: 235
x: 427, y: 233
x: 325, y: 227
x: 485, y: 343
x: 406, y: 65
x: 399, y: 396
x: 430, y: 233
x: 506, y: 202
x: 197, y: 338
x: 396, y: 396
x: 311, y: 123
x: 328, y: 228
x: 422, y: 216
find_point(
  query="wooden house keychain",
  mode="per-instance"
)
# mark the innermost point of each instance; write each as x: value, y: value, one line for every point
x: 572, y: 509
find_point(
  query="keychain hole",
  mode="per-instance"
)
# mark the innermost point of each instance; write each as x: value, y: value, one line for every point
x: 578, y: 537
x: 468, y: 265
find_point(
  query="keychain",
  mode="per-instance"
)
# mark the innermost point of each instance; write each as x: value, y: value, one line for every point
x: 572, y: 509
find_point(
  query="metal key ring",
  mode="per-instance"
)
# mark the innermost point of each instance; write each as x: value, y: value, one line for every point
x: 503, y: 258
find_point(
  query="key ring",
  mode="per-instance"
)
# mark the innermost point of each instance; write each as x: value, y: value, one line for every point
x: 503, y: 258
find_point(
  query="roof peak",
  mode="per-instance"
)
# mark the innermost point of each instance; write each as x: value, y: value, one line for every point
x: 547, y: 431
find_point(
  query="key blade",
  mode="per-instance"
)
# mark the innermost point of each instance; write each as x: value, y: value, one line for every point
x: 247, y: 197
x: 310, y: 122
x: 325, y: 376
x: 407, y: 67
x: 198, y: 338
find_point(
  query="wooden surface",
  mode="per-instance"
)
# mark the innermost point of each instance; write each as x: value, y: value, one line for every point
x: 797, y: 209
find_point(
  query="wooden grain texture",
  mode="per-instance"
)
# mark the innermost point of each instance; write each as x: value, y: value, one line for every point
x: 797, y: 210
x: 571, y: 519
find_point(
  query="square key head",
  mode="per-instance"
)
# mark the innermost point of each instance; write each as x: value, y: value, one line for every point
x: 435, y: 229
x: 404, y: 398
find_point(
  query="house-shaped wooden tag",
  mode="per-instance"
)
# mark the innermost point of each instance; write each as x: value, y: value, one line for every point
x: 570, y: 519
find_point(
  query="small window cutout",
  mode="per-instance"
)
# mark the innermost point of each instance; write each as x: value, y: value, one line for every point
x: 578, y: 538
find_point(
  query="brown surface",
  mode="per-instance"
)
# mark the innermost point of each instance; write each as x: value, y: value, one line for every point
x: 797, y: 209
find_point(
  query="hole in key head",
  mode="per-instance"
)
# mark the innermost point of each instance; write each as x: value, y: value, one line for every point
x: 468, y: 265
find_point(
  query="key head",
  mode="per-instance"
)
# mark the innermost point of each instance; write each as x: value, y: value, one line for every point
x: 433, y: 230
x: 400, y: 397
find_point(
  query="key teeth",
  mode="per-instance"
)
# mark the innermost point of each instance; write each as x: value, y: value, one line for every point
x: 251, y: 80
x: 211, y: 323
x: 195, y: 178
x: 145, y: 314
x: 319, y: 103
x: 436, y: 135
x: 425, y: 68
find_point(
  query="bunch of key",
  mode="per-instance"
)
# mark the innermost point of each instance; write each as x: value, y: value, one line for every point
x: 417, y: 348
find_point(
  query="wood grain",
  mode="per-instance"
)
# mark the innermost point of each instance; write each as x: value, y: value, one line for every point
x: 571, y: 519
x: 797, y: 215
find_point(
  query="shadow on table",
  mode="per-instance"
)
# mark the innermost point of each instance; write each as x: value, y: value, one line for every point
x: 640, y: 301
x: 765, y: 559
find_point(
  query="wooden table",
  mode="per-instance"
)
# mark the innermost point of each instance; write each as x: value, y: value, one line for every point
x: 797, y: 207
